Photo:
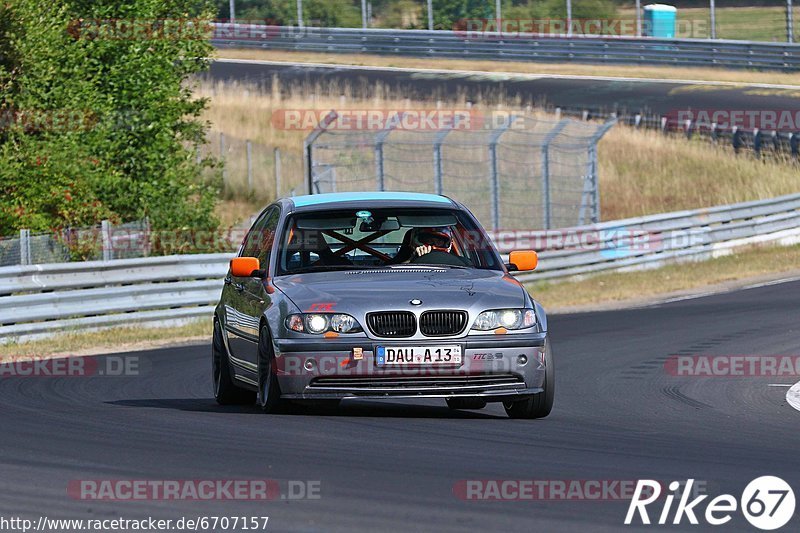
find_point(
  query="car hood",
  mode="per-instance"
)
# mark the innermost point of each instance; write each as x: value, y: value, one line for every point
x: 361, y: 291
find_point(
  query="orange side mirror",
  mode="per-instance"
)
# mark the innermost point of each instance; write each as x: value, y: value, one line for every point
x: 242, y: 267
x: 524, y: 259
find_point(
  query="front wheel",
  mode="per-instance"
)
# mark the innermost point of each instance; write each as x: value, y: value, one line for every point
x: 269, y: 391
x: 225, y: 390
x: 538, y: 405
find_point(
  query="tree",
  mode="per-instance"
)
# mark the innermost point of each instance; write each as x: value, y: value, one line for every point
x: 100, y: 120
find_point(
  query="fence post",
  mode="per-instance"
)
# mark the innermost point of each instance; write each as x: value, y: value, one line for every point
x: 380, y: 138
x: 713, y: 10
x: 222, y: 157
x: 249, y: 166
x: 438, y: 183
x: 789, y: 22
x: 308, y: 148
x: 494, y: 175
x: 757, y: 139
x: 379, y: 175
x: 299, y: 13
x: 638, y: 18
x: 546, y: 170
x: 594, y: 166
x: 430, y: 15
x: 569, y: 18
x: 364, y: 14
x: 25, y: 247
x: 277, y: 169
x: 105, y: 234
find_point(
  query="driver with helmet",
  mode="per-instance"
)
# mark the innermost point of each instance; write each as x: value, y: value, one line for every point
x: 432, y: 246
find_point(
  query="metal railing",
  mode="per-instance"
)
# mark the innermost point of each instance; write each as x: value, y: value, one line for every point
x: 40, y: 300
x: 523, y: 47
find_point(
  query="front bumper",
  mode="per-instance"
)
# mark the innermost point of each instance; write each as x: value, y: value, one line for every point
x: 494, y: 367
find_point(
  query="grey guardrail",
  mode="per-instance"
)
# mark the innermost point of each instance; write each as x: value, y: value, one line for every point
x: 39, y: 300
x: 521, y: 47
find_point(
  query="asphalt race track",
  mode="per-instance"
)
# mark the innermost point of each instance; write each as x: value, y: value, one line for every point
x: 390, y: 466
x: 650, y: 97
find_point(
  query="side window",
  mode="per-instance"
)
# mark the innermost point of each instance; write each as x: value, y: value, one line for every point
x: 250, y: 247
x: 267, y: 238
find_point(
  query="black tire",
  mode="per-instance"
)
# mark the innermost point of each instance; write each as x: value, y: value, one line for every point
x: 225, y: 390
x: 538, y: 405
x: 269, y: 391
x: 466, y: 403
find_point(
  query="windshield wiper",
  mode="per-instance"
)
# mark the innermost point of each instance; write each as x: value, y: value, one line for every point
x: 425, y: 265
x: 325, y: 268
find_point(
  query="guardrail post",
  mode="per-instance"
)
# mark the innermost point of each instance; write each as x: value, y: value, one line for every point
x: 789, y: 22
x: 105, y: 234
x: 24, y: 247
x: 545, y: 157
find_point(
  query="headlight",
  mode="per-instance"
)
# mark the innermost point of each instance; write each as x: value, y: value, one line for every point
x: 317, y: 323
x: 505, y: 318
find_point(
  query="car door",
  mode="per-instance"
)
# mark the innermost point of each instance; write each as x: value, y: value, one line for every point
x: 255, y: 296
x: 240, y: 328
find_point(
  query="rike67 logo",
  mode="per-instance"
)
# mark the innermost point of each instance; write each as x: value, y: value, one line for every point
x: 767, y: 503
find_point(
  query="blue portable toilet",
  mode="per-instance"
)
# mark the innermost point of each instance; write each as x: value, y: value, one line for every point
x: 659, y: 21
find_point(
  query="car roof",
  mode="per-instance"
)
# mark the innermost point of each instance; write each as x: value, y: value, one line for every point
x: 372, y: 199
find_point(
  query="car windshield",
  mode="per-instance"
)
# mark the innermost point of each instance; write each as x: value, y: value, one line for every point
x: 379, y: 238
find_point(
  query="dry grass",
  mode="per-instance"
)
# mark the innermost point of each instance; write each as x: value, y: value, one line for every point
x: 621, y: 286
x: 571, y: 69
x: 641, y: 172
x: 645, y: 172
x: 112, y: 340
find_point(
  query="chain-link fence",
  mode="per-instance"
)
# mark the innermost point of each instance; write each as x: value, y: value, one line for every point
x: 102, y: 242
x: 764, y: 20
x: 252, y: 169
x: 526, y: 173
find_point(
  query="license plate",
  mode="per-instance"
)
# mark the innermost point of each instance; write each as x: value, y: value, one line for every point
x: 418, y: 355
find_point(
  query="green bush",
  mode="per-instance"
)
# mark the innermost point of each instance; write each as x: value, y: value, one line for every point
x: 97, y: 120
